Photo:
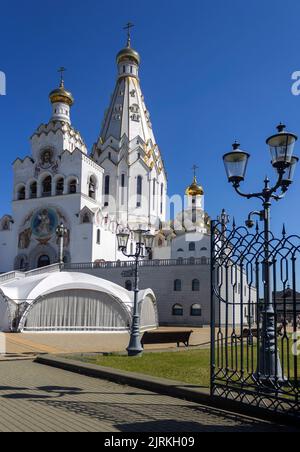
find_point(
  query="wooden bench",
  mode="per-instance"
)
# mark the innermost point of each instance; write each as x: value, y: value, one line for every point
x: 167, y: 337
x: 254, y: 332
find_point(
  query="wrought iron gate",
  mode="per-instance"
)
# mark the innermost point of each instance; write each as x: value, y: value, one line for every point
x: 239, y: 309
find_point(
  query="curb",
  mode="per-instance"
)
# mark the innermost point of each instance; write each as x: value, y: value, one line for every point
x: 166, y: 387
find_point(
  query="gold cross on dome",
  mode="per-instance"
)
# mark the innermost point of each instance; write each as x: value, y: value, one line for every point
x: 195, y: 168
x: 128, y: 28
x: 62, y: 70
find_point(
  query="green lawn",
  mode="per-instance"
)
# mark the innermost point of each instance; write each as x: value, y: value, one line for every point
x: 190, y: 367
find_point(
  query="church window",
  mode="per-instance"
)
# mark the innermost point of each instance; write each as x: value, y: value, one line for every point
x: 194, y: 215
x: 204, y: 249
x: 43, y: 261
x: 47, y: 186
x: 161, y: 198
x: 128, y: 286
x: 59, y: 187
x: 73, y: 186
x: 177, y: 285
x: 92, y: 188
x: 139, y: 191
x: 180, y: 250
x: 98, y: 237
x: 21, y: 193
x: 107, y: 185
x: 177, y: 310
x: 196, y: 310
x: 122, y: 189
x: 33, y: 190
x: 196, y: 285
x: 192, y: 246
x: 154, y: 193
x: 86, y: 219
x: 124, y: 69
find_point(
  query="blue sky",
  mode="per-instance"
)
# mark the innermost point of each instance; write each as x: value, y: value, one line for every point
x: 212, y: 72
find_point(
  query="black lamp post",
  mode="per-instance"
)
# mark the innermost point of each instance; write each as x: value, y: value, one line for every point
x: 61, y: 232
x: 144, y: 239
x: 281, y: 147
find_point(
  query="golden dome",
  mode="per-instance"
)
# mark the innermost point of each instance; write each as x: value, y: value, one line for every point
x: 61, y: 95
x: 195, y: 189
x: 128, y: 54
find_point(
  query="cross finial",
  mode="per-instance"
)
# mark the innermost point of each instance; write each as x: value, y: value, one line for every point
x: 62, y: 70
x: 128, y: 27
x: 195, y: 168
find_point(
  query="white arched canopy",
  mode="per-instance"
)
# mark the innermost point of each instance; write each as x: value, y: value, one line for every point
x: 72, y: 302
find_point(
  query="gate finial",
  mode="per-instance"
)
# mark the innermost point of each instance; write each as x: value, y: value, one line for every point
x: 283, y: 231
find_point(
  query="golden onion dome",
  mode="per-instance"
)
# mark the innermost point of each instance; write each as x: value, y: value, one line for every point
x: 61, y: 95
x: 195, y: 189
x: 128, y: 54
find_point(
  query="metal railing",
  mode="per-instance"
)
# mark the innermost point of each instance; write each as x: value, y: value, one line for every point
x: 11, y: 275
x: 130, y: 264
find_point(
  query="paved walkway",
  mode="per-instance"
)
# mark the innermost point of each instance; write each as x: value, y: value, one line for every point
x: 56, y: 343
x: 36, y: 398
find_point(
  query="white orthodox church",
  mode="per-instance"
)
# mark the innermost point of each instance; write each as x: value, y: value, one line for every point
x: 121, y: 183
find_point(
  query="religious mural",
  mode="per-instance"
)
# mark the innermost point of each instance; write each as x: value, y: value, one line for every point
x: 41, y: 226
x: 44, y: 223
x: 46, y: 162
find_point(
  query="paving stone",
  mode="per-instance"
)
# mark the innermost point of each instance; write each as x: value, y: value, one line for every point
x: 37, y: 398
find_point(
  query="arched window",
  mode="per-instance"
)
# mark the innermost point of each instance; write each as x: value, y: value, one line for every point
x: 98, y: 237
x: 196, y: 310
x: 47, y: 186
x: 21, y: 193
x: 122, y: 189
x: 139, y: 191
x: 154, y: 193
x: 204, y: 249
x: 177, y: 285
x: 59, y: 190
x: 196, y: 285
x: 73, y: 186
x: 192, y: 246
x: 177, y: 310
x: 180, y: 250
x: 33, y: 190
x: 92, y: 188
x: 86, y: 218
x: 162, y: 188
x: 106, y: 190
x: 128, y: 286
x: 44, y: 261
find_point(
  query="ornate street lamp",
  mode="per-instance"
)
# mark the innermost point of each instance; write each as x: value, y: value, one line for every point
x: 61, y: 233
x: 281, y: 147
x: 144, y: 239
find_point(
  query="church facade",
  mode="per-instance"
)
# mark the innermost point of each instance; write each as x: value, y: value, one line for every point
x: 121, y: 183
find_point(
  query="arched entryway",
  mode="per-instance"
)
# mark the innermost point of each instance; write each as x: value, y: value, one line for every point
x: 43, y: 261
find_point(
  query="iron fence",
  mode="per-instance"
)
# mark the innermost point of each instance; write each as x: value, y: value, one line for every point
x: 239, y: 330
